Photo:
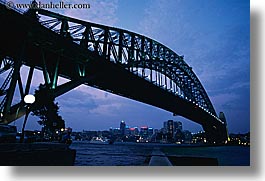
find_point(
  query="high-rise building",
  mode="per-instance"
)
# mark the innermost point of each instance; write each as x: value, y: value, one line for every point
x: 150, y: 132
x: 127, y: 130
x: 132, y: 131
x: 165, y: 125
x: 122, y: 128
x: 136, y: 130
x: 144, y: 131
x: 177, y: 126
x: 170, y: 128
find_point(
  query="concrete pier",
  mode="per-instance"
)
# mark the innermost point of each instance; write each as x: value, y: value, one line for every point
x: 158, y: 158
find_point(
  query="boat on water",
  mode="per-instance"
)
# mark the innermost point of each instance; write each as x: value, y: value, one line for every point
x: 100, y: 140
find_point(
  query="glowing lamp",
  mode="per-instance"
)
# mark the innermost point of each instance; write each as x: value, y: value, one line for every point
x: 29, y: 99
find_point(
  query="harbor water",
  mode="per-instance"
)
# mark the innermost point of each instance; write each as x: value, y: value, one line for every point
x: 137, y: 154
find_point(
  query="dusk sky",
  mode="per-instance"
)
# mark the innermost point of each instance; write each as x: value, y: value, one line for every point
x: 213, y: 36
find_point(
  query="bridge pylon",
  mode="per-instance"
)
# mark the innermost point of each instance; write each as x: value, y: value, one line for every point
x: 216, y: 133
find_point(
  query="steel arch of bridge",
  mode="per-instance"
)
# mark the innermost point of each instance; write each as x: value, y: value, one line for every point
x: 136, y: 53
x: 133, y: 51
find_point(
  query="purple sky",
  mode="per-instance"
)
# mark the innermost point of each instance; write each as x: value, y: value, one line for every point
x: 214, y: 38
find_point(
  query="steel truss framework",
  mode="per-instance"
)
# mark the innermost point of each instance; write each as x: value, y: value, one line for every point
x: 10, y: 69
x: 138, y: 54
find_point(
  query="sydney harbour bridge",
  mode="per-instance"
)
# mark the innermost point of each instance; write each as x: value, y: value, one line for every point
x: 111, y: 59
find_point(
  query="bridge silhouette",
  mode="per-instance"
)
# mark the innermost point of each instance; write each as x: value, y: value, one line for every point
x: 107, y: 58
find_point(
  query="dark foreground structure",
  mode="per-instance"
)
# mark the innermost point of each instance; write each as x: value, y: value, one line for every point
x: 36, y: 154
x: 192, y: 161
x: 158, y: 158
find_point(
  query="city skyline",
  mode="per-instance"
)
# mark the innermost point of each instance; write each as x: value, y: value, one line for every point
x: 215, y: 43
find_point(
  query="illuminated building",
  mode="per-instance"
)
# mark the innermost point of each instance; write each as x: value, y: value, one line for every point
x: 177, y: 126
x: 132, y: 131
x: 136, y: 130
x: 170, y: 128
x: 144, y: 131
x: 150, y: 132
x: 122, y: 128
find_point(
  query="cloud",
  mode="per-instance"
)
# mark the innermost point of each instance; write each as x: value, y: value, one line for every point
x: 90, y: 101
x: 77, y: 99
x: 214, y: 50
x: 225, y: 99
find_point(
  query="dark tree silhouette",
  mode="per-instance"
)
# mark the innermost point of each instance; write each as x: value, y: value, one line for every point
x: 47, y: 110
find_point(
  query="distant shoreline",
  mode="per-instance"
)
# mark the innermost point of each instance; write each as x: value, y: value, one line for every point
x: 162, y: 144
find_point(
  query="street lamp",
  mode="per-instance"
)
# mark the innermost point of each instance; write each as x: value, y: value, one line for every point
x: 28, y: 100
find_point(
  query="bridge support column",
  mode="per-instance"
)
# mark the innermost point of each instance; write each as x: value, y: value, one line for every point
x: 11, y: 90
x: 13, y: 112
x: 62, y: 89
x: 216, y: 134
